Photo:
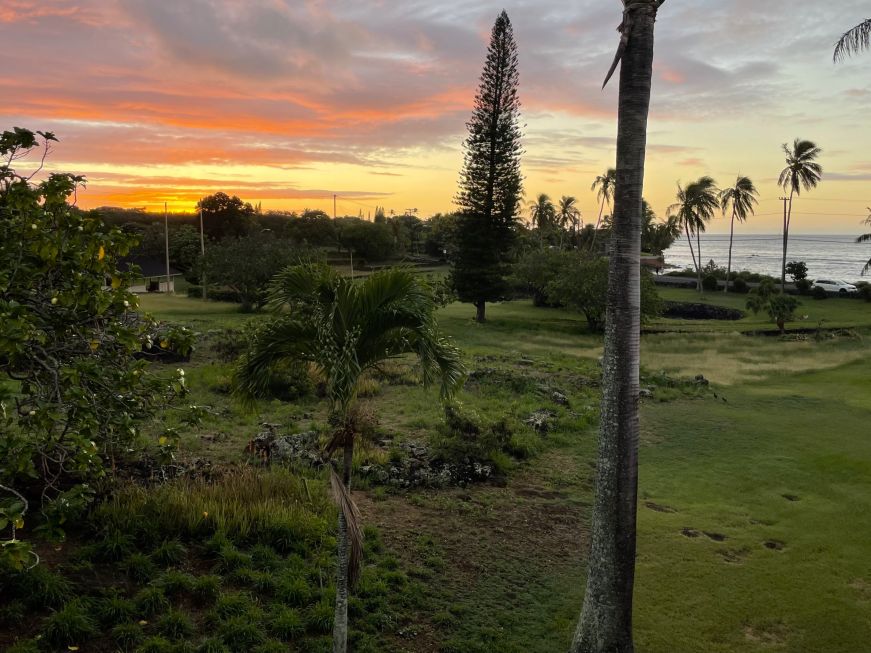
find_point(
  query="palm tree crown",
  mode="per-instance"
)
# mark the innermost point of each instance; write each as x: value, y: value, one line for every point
x: 345, y: 328
x: 604, y: 185
x: 802, y: 172
x: 865, y: 238
x: 854, y: 41
x: 568, y: 212
x: 542, y: 212
x: 740, y: 198
x: 696, y: 204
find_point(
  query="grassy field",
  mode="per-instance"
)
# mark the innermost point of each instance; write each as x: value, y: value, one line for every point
x: 753, y: 526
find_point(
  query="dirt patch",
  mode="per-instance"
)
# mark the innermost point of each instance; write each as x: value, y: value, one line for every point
x: 774, y: 545
x: 733, y: 556
x: 717, y: 537
x: 690, y: 532
x: 657, y: 507
x: 863, y: 587
x: 774, y: 635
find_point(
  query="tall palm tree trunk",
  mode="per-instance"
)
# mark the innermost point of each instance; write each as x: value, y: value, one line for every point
x: 598, y: 224
x: 699, y: 266
x: 343, y: 557
x: 787, y: 217
x: 729, y: 264
x: 692, y: 252
x: 605, y: 624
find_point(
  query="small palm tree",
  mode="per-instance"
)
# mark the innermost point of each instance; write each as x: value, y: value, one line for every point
x: 569, y: 215
x: 740, y: 198
x: 695, y: 207
x: 344, y: 329
x: 864, y: 238
x: 604, y: 186
x: 854, y: 41
x: 801, y: 172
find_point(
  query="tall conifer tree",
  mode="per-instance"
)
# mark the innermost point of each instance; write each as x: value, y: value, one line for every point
x: 490, y: 183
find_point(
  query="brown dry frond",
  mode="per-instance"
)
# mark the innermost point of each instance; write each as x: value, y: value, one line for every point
x: 343, y: 500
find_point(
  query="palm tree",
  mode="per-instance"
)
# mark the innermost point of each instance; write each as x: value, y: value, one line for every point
x: 569, y: 215
x: 542, y: 212
x: 605, y: 185
x: 694, y: 208
x: 740, y: 198
x: 864, y: 238
x: 854, y: 41
x: 344, y: 329
x: 801, y: 172
x: 605, y: 623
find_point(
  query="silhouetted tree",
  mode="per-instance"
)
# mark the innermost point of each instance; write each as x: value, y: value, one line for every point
x: 740, y: 198
x: 490, y: 183
x: 801, y: 172
x: 225, y: 216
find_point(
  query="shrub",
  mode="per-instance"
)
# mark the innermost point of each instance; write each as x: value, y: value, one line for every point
x: 264, y: 557
x: 115, y: 546
x: 710, y: 283
x: 285, y: 623
x: 293, y: 590
x: 115, y: 610
x: 803, y: 286
x: 43, y: 588
x: 155, y: 645
x: 212, y: 645
x: 206, y: 588
x: 71, y: 625
x: 233, y: 604
x: 127, y: 636
x: 864, y: 289
x: 175, y: 625
x: 739, y: 286
x: 819, y: 293
x: 230, y: 558
x: 140, y: 568
x: 239, y: 634
x: 25, y: 646
x: 151, y: 601
x: 176, y: 582
x: 169, y: 552
x: 271, y: 646
x: 319, y: 617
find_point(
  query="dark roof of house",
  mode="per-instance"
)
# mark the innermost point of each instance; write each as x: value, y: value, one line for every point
x: 151, y: 266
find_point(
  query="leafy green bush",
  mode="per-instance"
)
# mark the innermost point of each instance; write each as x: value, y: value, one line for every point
x: 69, y: 340
x: 319, y: 617
x: 739, y: 286
x: 240, y: 634
x: 819, y: 293
x: 864, y: 291
x: 41, y: 587
x: 710, y: 283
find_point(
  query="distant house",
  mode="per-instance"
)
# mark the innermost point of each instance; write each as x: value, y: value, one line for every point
x: 152, y: 274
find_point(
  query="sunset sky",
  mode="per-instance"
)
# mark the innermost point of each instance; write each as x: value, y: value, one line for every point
x: 286, y: 102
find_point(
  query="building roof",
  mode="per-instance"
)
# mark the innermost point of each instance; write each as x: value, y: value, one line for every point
x: 151, y: 266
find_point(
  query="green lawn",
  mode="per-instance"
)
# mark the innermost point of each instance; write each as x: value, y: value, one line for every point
x: 753, y: 520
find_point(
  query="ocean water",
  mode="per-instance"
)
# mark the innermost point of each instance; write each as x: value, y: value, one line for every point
x: 837, y: 257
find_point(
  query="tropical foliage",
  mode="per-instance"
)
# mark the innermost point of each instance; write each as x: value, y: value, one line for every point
x: 854, y: 41
x: 68, y: 340
x: 342, y: 330
x: 739, y: 201
x: 695, y: 207
x: 802, y: 172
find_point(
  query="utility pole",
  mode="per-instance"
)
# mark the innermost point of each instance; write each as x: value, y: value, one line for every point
x: 785, y: 240
x: 203, y: 254
x: 334, y: 206
x: 166, y: 234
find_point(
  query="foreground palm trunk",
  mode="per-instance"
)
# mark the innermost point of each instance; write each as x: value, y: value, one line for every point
x: 729, y: 264
x: 605, y: 625
x: 343, y: 557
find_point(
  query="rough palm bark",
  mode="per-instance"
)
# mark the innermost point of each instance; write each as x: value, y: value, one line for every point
x: 343, y: 557
x: 605, y: 625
